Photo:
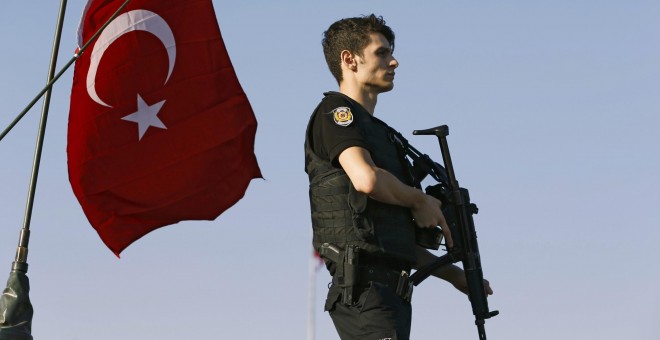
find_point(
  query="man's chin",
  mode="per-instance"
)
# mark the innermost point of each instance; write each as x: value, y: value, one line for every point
x: 380, y: 88
x: 386, y: 88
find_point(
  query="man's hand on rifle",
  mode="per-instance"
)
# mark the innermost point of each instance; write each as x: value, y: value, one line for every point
x: 427, y: 213
x: 460, y: 283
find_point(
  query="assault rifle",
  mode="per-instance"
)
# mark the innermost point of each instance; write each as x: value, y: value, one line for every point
x: 458, y: 212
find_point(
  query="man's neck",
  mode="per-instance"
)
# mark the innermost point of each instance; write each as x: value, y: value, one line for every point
x: 366, y: 99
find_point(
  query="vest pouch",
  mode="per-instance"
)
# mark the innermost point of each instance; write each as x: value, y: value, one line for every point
x: 362, y: 224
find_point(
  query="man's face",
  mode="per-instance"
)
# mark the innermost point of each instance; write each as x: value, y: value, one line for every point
x: 375, y: 69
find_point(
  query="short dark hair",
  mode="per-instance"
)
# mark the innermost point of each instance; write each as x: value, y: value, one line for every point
x: 352, y: 34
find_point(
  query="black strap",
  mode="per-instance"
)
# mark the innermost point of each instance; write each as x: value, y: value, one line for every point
x: 422, y: 164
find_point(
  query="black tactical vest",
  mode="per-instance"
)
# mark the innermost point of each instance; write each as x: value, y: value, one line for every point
x: 342, y: 216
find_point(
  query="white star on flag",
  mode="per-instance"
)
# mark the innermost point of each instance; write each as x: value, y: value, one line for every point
x: 146, y: 116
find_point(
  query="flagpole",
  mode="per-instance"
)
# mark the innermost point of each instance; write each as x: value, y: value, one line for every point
x: 20, y: 264
x: 52, y: 80
x: 311, y: 298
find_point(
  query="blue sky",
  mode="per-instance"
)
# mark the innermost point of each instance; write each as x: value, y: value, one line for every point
x: 553, y: 110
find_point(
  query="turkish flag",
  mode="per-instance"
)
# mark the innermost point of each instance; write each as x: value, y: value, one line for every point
x: 160, y: 129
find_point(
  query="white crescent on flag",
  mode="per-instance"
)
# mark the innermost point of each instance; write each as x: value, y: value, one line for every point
x: 136, y: 20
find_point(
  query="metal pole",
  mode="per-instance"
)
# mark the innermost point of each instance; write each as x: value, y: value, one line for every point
x: 20, y: 263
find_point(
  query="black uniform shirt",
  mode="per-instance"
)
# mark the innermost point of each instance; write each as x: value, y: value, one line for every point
x: 334, y: 128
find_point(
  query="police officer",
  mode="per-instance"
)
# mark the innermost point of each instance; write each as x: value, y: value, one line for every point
x: 364, y: 207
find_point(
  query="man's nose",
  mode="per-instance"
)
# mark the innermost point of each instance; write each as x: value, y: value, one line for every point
x: 394, y: 63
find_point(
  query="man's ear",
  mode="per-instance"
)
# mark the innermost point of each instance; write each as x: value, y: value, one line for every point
x: 348, y: 60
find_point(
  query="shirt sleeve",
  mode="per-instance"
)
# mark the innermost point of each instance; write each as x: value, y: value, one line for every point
x: 335, y: 130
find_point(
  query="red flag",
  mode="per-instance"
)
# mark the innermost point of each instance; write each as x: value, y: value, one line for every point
x: 160, y: 129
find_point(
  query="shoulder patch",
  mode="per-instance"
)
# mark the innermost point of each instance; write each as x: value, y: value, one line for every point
x: 342, y: 116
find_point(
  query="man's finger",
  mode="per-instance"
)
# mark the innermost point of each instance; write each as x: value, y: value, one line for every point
x: 447, y: 232
x: 489, y: 291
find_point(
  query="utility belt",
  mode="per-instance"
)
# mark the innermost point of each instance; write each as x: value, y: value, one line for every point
x: 351, y: 274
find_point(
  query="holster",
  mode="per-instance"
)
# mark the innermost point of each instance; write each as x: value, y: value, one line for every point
x: 346, y: 272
